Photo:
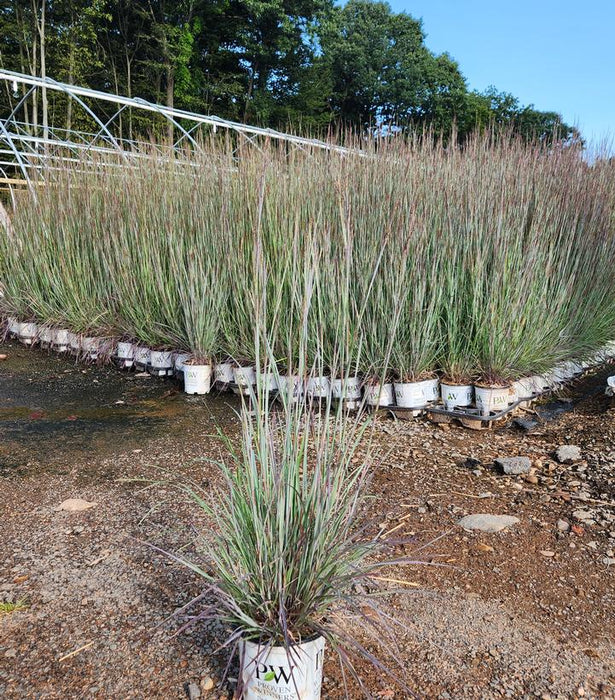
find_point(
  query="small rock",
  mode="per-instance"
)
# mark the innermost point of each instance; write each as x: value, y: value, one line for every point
x: 3, y: 356
x: 547, y: 553
x: 484, y: 547
x: 486, y: 522
x: 10, y: 653
x: 514, y: 465
x: 567, y: 454
x: 207, y: 684
x: 530, y: 478
x: 563, y: 525
x: 74, y: 505
x: 585, y: 516
x: 193, y: 691
x: 609, y: 561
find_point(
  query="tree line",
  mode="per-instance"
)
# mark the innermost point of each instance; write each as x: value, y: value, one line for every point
x: 305, y: 65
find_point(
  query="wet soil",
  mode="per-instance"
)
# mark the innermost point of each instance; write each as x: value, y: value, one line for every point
x: 527, y: 612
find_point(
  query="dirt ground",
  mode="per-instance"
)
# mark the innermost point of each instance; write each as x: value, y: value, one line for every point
x: 525, y: 612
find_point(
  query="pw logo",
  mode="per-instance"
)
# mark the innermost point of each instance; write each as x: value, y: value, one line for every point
x: 267, y: 672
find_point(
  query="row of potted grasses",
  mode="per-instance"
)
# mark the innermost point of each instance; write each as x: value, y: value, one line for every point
x: 198, y: 378
x: 482, y: 265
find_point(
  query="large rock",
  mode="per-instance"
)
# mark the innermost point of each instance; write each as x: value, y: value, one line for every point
x: 514, y: 465
x: 568, y: 454
x: 486, y: 522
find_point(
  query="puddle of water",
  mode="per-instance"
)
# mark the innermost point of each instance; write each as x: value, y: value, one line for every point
x: 51, y: 407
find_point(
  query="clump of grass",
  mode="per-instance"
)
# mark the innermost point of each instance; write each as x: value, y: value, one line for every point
x: 17, y: 606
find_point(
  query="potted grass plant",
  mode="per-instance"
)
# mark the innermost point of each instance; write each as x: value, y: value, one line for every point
x: 416, y: 349
x: 457, y: 361
x: 203, y: 290
x: 287, y: 551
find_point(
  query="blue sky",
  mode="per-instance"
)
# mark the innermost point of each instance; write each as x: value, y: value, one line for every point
x: 558, y: 56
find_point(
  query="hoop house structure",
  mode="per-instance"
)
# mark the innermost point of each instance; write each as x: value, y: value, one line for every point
x: 31, y: 148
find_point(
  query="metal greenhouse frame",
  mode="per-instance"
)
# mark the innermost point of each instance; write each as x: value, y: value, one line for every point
x: 28, y: 150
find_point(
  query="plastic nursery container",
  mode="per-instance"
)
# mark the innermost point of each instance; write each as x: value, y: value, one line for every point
x: 541, y: 383
x: 415, y: 394
x: 431, y: 389
x: 92, y: 346
x: 197, y: 378
x: 45, y: 336
x: 348, y: 389
x: 456, y: 395
x: 525, y: 388
x: 74, y: 343
x: 125, y: 354
x: 180, y: 361
x: 573, y: 369
x: 268, y: 381
x: 223, y: 374
x: 318, y: 387
x: 272, y: 672
x: 379, y: 394
x: 14, y: 326
x: 28, y: 333
x: 61, y: 340
x: 245, y: 378
x: 490, y: 399
x: 291, y: 386
x: 142, y: 357
x: 161, y: 363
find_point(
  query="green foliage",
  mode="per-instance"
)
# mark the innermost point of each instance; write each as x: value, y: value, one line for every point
x: 310, y: 65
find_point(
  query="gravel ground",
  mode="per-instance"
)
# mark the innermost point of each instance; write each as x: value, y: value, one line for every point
x: 525, y: 612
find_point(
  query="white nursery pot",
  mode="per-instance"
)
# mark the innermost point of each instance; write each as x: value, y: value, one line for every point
x: 14, y: 326
x: 142, y: 356
x: 272, y: 672
x: 244, y: 377
x: 45, y: 335
x: 379, y: 395
x: 91, y: 346
x: 161, y: 362
x: 574, y: 369
x: 431, y: 389
x: 558, y: 375
x: 348, y: 388
x: 125, y: 351
x: 74, y: 342
x: 223, y: 373
x: 180, y: 361
x: 493, y: 399
x: 197, y: 379
x: 524, y: 388
x: 268, y: 381
x: 291, y: 386
x: 541, y: 383
x: 456, y: 395
x: 61, y: 339
x: 28, y: 333
x: 410, y: 394
x: 318, y: 387
x: 125, y: 354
